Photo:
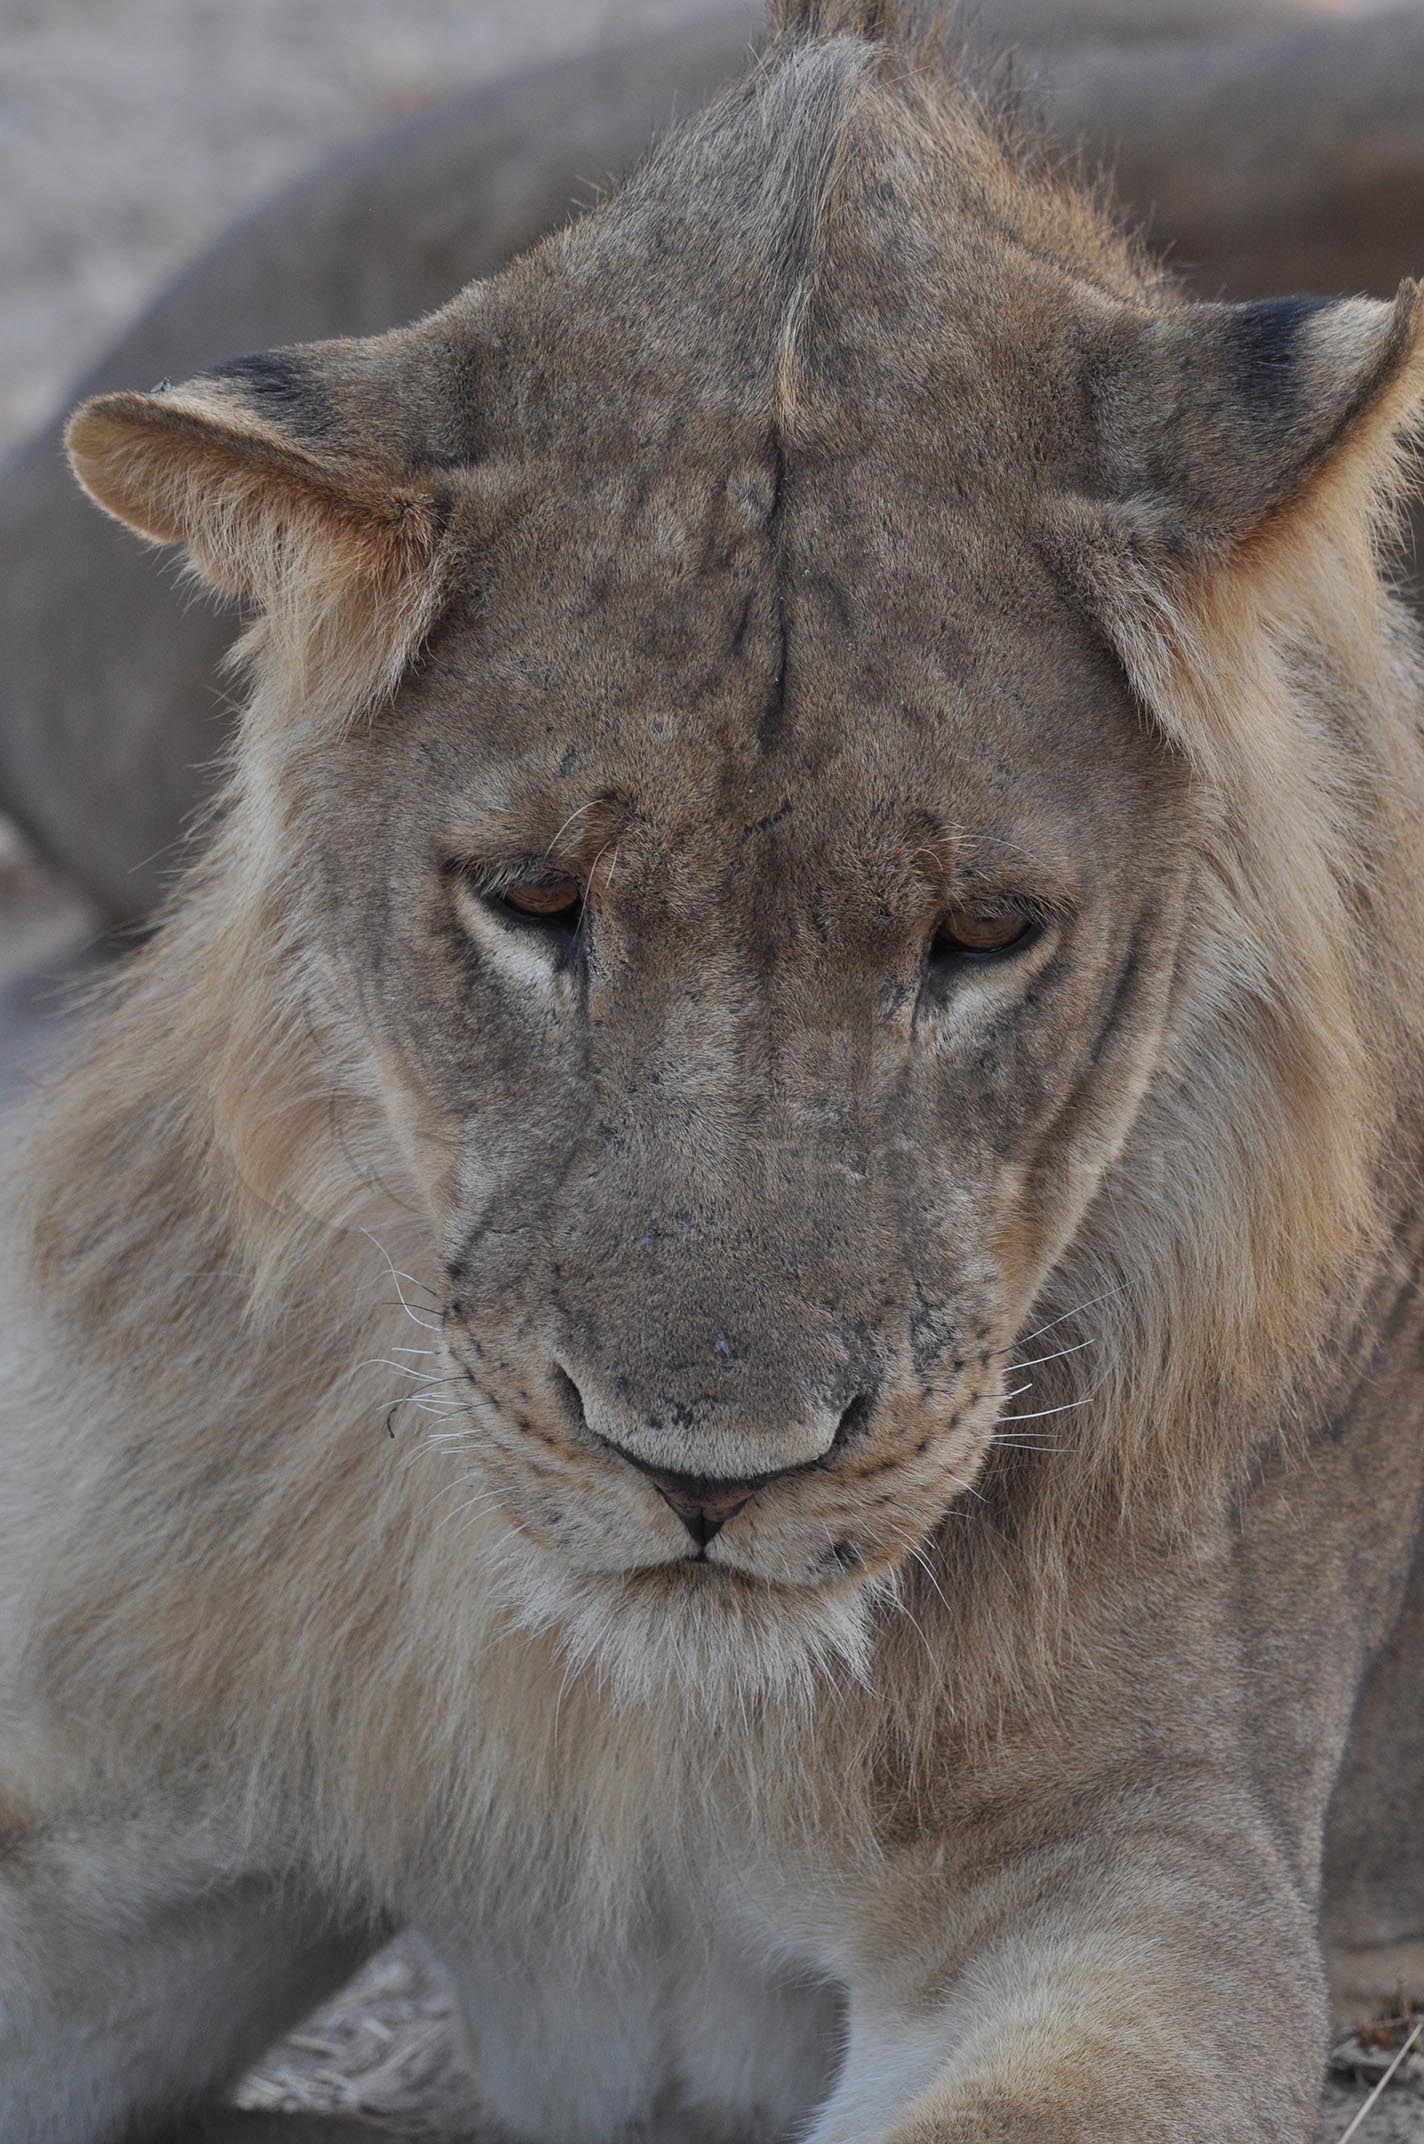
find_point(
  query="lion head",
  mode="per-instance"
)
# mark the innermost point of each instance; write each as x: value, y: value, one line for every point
x: 807, y: 767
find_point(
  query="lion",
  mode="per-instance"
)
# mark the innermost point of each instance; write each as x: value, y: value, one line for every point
x: 729, y: 1313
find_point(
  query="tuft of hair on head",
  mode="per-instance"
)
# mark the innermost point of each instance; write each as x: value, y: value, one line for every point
x: 876, y: 22
x: 285, y: 497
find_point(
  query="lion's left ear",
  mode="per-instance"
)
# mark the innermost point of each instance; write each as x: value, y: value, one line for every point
x: 285, y: 499
x: 1243, y: 459
x: 1216, y: 418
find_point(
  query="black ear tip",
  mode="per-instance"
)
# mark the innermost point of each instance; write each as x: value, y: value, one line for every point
x: 263, y: 371
x: 282, y: 386
x: 1266, y: 339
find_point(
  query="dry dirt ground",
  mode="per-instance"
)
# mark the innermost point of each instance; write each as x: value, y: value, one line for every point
x: 131, y: 131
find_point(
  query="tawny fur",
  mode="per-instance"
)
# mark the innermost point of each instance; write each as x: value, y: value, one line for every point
x: 360, y: 1660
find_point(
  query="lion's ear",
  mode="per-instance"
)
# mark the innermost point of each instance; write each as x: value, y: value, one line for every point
x: 282, y: 501
x: 1242, y: 463
x: 1215, y: 421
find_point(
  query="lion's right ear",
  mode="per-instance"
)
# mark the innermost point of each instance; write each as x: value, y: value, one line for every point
x: 338, y: 546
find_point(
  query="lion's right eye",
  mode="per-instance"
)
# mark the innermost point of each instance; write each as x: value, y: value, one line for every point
x: 546, y: 905
x: 551, y: 901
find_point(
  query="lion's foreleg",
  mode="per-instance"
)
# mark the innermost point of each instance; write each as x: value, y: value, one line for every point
x: 677, y: 2032
x: 1158, y: 1985
x: 135, y: 1989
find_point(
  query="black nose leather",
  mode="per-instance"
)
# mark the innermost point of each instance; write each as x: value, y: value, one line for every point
x: 704, y: 1503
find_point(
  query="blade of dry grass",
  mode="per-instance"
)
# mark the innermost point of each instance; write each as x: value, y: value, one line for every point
x: 1359, y: 2117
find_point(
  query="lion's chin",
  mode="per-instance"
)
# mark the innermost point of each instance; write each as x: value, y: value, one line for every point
x: 695, y: 1632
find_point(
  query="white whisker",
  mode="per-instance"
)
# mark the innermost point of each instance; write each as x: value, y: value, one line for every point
x: 915, y: 1626
x: 396, y: 1275
x: 1068, y: 1407
x: 475, y: 1503
x: 1063, y: 1316
x: 568, y: 823
x: 385, y: 1362
x: 460, y: 1482
x: 1076, y: 1349
x: 922, y: 1559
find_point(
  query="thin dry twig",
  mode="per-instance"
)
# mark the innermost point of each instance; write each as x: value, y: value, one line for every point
x: 1359, y: 2117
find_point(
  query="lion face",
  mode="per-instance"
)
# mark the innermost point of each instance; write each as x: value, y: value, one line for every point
x: 761, y: 898
x: 757, y: 901
x: 763, y: 959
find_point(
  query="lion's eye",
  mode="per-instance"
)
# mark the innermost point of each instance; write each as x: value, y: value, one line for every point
x: 551, y: 904
x: 543, y: 900
x: 983, y: 931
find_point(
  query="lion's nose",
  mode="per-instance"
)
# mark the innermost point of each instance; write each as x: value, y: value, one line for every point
x: 703, y: 1502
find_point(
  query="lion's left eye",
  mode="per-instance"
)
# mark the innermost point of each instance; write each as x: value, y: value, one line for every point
x: 977, y: 932
x: 556, y: 901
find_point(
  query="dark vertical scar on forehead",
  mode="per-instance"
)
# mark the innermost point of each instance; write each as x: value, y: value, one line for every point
x: 766, y: 822
x: 773, y: 712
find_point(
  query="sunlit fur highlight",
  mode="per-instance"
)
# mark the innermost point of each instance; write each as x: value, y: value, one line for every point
x: 344, y: 564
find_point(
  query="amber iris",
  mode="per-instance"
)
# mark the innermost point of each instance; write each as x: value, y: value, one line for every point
x: 543, y: 897
x: 983, y: 931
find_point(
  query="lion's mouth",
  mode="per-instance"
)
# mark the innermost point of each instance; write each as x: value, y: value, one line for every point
x: 704, y: 1503
x: 833, y: 1524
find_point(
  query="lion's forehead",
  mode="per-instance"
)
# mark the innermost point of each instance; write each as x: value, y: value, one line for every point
x: 751, y: 671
